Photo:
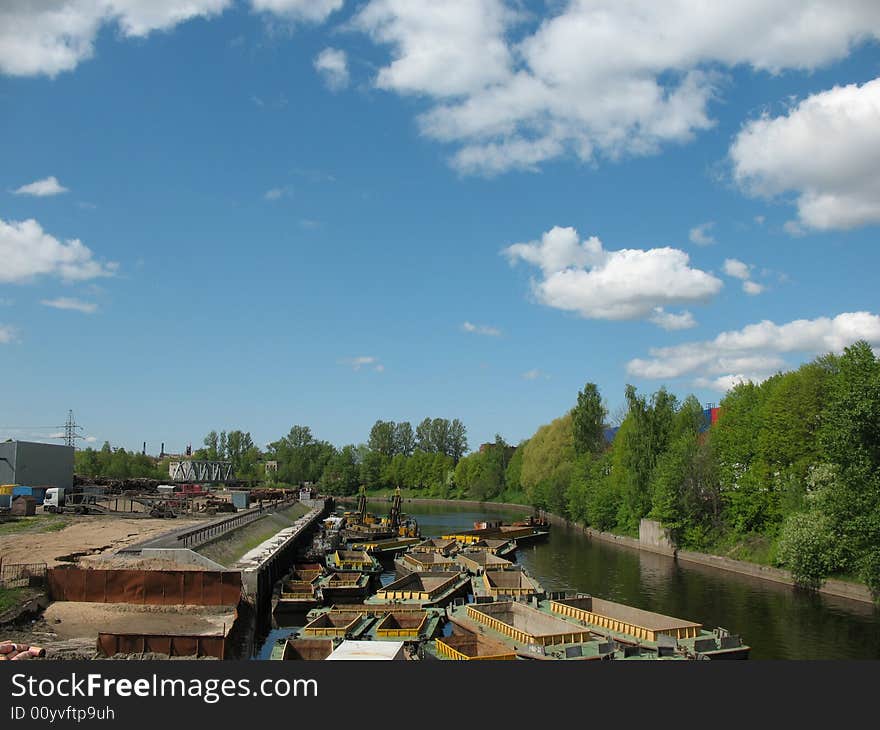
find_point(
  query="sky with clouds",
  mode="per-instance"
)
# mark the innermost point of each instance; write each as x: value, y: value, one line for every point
x: 256, y: 213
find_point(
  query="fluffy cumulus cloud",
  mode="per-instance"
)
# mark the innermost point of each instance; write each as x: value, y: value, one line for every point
x: 42, y: 188
x: 756, y: 351
x: 51, y: 36
x: 598, y: 78
x: 311, y: 11
x: 582, y: 277
x: 481, y: 329
x: 332, y: 64
x: 7, y: 334
x: 76, y: 305
x: 27, y: 251
x: 701, y: 235
x: 825, y: 150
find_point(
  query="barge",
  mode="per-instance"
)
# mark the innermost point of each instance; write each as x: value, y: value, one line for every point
x: 423, y: 589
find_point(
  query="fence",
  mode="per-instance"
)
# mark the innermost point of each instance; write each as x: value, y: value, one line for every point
x: 22, y: 575
x: 146, y: 587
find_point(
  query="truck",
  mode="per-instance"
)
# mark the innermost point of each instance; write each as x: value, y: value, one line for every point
x: 59, y: 500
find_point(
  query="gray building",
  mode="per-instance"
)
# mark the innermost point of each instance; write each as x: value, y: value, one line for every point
x: 36, y: 465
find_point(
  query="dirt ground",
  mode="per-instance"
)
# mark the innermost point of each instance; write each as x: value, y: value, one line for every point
x: 69, y: 630
x: 86, y: 535
x: 72, y: 619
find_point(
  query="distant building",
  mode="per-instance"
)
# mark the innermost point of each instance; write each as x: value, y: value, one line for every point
x: 35, y: 464
x: 271, y: 467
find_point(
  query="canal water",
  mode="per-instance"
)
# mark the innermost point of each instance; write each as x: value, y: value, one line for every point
x: 775, y: 620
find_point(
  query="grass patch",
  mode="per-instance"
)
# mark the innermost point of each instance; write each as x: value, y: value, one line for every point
x: 751, y: 548
x: 10, y: 597
x: 37, y: 523
x: 233, y: 547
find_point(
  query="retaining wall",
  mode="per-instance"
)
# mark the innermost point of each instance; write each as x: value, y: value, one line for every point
x: 145, y: 587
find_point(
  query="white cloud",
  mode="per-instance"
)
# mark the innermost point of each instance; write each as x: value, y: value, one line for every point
x: 755, y: 352
x: 743, y: 271
x: 600, y: 77
x: 700, y: 234
x: 51, y: 36
x: 332, y: 64
x: 825, y: 150
x: 311, y: 11
x: 7, y: 334
x: 759, y: 219
x: 42, y: 188
x: 737, y: 269
x: 441, y: 49
x: 581, y: 276
x: 70, y: 303
x: 481, y: 329
x: 27, y: 251
x: 364, y: 361
x: 670, y: 321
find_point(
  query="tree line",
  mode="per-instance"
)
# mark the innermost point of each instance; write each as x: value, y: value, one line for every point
x: 789, y: 474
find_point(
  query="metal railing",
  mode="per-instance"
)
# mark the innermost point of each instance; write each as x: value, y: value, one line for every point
x: 200, y: 535
x: 22, y: 575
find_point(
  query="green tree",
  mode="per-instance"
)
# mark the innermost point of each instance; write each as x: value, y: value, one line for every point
x: 382, y: 438
x: 588, y: 421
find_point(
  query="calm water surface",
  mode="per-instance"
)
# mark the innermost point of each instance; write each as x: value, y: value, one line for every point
x: 776, y: 621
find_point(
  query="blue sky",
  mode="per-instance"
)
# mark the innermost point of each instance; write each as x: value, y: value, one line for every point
x: 303, y: 213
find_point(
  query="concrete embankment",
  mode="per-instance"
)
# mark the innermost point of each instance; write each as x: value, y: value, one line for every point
x: 831, y: 587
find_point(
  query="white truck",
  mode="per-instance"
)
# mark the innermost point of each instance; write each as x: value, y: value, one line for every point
x: 58, y: 500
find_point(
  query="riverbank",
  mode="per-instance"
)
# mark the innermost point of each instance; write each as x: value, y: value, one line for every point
x: 831, y: 587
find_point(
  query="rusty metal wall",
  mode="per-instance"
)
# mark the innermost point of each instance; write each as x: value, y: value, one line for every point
x: 179, y: 646
x: 146, y: 587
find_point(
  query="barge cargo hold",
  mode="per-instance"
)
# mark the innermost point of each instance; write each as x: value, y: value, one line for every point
x: 301, y: 649
x: 470, y: 647
x: 526, y: 632
x: 478, y: 561
x: 423, y: 589
x: 424, y: 563
x: 337, y: 624
x: 345, y: 587
x: 633, y: 625
x: 510, y: 584
x: 527, y: 625
x: 436, y: 544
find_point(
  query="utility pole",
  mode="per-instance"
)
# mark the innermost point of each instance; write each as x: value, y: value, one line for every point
x: 70, y: 430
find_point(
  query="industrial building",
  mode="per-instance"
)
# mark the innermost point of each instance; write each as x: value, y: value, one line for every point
x: 36, y: 465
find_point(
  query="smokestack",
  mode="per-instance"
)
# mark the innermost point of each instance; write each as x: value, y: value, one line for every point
x: 162, y: 452
x: 145, y: 448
